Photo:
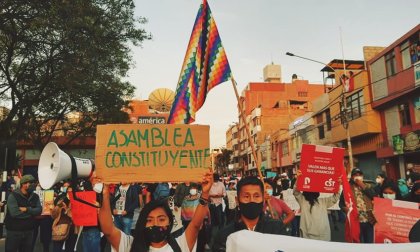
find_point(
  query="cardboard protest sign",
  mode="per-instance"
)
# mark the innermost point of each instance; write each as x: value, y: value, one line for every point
x: 395, y: 220
x: 83, y: 214
x: 48, y: 202
x: 152, y: 153
x: 321, y: 168
x: 250, y: 241
x: 46, y: 198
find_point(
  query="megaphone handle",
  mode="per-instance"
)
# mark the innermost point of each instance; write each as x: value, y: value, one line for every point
x: 74, y: 182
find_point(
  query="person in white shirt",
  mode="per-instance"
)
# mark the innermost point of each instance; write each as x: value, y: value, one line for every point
x: 217, y: 192
x: 152, y: 232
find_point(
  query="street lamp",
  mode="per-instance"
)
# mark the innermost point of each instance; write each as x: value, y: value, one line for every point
x: 345, y: 121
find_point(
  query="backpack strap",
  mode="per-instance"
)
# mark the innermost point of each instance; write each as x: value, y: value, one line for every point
x: 174, y: 244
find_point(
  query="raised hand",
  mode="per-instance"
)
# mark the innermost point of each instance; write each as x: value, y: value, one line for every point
x: 206, y: 183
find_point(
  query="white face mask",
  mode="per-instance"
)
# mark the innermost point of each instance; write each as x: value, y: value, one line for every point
x: 379, y: 180
x: 389, y: 196
x: 193, y: 191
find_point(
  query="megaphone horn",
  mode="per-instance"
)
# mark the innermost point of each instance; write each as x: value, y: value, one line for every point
x: 55, y: 165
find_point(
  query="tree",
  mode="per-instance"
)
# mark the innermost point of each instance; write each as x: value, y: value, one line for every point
x: 62, y: 64
x: 223, y: 160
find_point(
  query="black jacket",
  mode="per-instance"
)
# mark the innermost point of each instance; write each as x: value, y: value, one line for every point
x: 131, y: 200
x: 264, y: 225
x: 17, y: 220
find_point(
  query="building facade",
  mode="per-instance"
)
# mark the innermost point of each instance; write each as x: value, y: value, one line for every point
x: 268, y: 108
x: 394, y: 83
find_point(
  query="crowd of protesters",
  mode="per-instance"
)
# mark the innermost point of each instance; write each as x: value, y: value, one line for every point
x: 140, y: 217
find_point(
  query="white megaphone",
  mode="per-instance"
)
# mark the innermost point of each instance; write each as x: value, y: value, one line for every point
x: 55, y: 165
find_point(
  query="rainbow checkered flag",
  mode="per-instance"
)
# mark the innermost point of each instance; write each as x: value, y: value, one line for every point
x: 205, y: 66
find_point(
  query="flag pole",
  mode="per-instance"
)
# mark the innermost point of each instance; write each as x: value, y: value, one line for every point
x: 250, y: 140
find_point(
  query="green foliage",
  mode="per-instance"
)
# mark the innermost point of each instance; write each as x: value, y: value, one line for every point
x: 58, y: 57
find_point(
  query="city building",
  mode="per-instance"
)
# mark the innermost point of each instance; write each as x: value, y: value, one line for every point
x: 268, y: 108
x: 394, y: 84
x: 232, y: 143
x: 350, y: 117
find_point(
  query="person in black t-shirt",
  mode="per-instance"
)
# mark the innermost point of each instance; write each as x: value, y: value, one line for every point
x: 250, y: 192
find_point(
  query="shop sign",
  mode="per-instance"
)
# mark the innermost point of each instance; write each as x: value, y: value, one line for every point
x: 152, y: 120
x: 406, y: 143
x: 412, y: 141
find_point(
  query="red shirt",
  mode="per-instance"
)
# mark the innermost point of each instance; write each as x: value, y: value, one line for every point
x: 278, y: 205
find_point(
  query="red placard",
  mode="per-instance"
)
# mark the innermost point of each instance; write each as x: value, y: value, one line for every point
x: 395, y: 220
x: 82, y: 214
x: 321, y: 168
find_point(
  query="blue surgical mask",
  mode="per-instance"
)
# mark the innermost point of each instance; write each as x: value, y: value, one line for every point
x: 270, y: 192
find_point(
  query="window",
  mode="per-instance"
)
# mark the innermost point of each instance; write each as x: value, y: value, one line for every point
x: 405, y: 55
x: 355, y: 105
x: 285, y: 148
x: 321, y: 133
x: 390, y: 64
x: 303, y: 94
x: 328, y: 117
x: 416, y: 103
x: 404, y: 114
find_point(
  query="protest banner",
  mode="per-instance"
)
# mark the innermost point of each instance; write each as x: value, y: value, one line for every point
x: 83, y: 214
x: 152, y: 153
x: 395, y: 220
x: 250, y: 241
x: 321, y: 168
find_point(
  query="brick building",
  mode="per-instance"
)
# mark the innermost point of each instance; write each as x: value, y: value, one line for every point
x: 269, y: 107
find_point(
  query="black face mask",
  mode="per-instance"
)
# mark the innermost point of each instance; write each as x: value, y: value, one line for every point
x: 31, y: 188
x: 251, y: 210
x: 157, y: 234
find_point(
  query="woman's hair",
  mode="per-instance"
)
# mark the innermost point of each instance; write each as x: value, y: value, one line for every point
x: 139, y: 243
x: 393, y: 186
x: 312, y: 198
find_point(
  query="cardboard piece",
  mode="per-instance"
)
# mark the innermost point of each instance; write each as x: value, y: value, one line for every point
x: 395, y: 220
x: 152, y: 153
x: 46, y: 198
x: 321, y: 168
x: 48, y: 202
x: 82, y: 214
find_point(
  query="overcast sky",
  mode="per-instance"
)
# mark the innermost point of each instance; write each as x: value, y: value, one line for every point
x: 258, y: 32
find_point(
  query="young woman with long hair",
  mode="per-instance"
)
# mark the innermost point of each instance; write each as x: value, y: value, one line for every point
x: 152, y: 232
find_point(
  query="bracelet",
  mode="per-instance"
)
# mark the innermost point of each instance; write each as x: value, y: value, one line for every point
x: 202, y: 198
x: 203, y: 201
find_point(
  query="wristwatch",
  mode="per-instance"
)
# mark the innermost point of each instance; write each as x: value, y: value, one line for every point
x: 203, y: 201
